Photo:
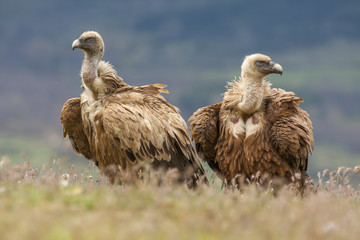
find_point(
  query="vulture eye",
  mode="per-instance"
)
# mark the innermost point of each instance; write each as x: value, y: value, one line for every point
x: 90, y: 40
x: 260, y: 63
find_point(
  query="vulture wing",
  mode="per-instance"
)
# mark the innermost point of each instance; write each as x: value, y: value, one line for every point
x: 291, y: 132
x: 144, y: 127
x: 204, y: 124
x: 73, y: 128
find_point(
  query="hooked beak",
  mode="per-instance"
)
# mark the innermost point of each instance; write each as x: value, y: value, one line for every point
x: 76, y: 44
x: 275, y: 68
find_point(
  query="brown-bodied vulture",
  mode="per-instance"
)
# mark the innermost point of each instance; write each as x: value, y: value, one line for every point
x: 256, y: 128
x: 115, y: 124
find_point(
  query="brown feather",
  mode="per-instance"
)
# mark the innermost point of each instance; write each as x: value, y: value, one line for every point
x: 124, y: 125
x: 204, y: 130
x: 72, y: 127
x: 254, y: 129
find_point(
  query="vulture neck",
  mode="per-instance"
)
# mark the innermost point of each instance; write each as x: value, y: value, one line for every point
x: 253, y: 94
x: 89, y: 71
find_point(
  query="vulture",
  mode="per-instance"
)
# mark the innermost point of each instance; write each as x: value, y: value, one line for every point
x: 115, y: 124
x: 256, y: 129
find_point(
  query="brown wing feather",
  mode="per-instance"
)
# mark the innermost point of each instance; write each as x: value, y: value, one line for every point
x: 204, y: 124
x: 291, y: 132
x: 147, y: 128
x: 73, y: 128
x: 155, y: 90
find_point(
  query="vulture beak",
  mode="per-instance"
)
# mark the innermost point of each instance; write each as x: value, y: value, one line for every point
x: 76, y: 44
x: 275, y: 68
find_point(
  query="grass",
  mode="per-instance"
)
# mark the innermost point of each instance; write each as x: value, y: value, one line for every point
x: 37, y: 150
x: 62, y: 203
x: 22, y: 147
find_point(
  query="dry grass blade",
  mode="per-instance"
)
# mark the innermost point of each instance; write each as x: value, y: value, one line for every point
x: 72, y: 204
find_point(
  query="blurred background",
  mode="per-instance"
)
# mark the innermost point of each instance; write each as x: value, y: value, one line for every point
x: 195, y: 47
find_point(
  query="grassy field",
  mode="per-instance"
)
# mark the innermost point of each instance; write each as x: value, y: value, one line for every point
x: 61, y: 203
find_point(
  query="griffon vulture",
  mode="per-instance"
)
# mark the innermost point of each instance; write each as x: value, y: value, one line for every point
x: 113, y: 123
x: 255, y: 128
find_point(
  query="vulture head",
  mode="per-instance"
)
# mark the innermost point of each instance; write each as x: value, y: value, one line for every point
x: 258, y: 66
x: 91, y: 43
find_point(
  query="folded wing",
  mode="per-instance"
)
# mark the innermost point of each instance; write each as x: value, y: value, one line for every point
x: 73, y: 128
x: 144, y: 127
x: 204, y: 124
x: 291, y: 132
